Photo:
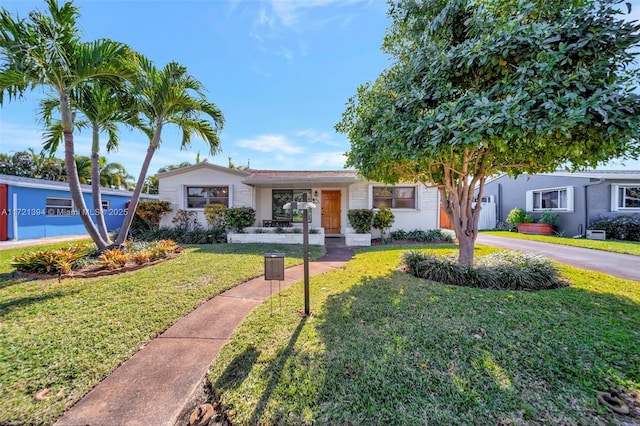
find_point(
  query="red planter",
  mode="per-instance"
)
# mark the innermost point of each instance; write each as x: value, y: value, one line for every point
x: 535, y: 228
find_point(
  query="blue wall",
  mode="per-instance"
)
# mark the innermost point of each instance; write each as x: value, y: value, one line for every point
x: 34, y: 223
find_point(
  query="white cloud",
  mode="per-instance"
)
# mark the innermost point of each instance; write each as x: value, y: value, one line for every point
x: 312, y: 136
x: 334, y: 160
x: 270, y: 143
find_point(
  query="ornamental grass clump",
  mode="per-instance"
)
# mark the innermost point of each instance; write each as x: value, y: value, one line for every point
x: 500, y: 271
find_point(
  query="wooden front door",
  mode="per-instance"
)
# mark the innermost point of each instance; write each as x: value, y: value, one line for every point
x: 445, y: 223
x: 330, y: 207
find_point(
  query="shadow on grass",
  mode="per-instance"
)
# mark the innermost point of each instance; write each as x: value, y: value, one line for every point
x: 403, y: 350
x: 274, y: 371
x: 11, y: 305
x: 238, y: 369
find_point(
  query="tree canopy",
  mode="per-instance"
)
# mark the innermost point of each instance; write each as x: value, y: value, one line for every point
x: 486, y: 87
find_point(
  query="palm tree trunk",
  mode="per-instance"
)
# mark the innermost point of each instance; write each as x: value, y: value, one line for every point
x: 126, y: 224
x: 96, y: 192
x: 72, y: 173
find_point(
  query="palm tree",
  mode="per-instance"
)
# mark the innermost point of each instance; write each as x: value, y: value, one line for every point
x: 46, y: 51
x: 114, y: 175
x: 171, y: 96
x: 103, y: 107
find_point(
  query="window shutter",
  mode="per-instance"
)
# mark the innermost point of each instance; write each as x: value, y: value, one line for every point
x: 370, y: 197
x: 615, y: 197
x: 529, y: 201
x: 230, y: 192
x: 182, y: 197
x: 570, y: 202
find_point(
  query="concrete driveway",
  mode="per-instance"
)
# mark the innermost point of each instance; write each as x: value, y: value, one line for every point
x: 619, y: 265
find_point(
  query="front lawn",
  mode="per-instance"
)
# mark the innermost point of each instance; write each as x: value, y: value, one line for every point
x: 384, y: 347
x: 66, y: 336
x: 615, y: 246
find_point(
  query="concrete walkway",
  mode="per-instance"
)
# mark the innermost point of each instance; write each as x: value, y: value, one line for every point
x: 620, y: 265
x: 158, y: 383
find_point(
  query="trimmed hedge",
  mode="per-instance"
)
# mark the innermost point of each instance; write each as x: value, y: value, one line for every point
x: 500, y: 271
x: 619, y: 228
x: 196, y: 236
x: 429, y: 236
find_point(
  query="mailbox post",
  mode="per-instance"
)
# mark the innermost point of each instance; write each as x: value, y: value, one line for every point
x: 304, y: 206
x: 274, y: 270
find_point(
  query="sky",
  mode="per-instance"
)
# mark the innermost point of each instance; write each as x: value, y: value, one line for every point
x: 281, y: 71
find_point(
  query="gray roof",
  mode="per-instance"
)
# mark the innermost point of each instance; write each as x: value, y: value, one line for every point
x: 301, y: 176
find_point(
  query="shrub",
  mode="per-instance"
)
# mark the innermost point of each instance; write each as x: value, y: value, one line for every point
x: 361, y: 220
x: 239, y: 218
x: 148, y: 215
x: 382, y: 220
x: 619, y: 228
x: 548, y: 218
x: 186, y: 220
x: 52, y: 261
x: 113, y: 258
x: 430, y: 236
x: 518, y: 216
x: 215, y: 214
x: 500, y: 270
x: 197, y: 236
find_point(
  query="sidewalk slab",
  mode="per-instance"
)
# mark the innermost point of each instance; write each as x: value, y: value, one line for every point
x: 157, y: 384
x: 151, y: 388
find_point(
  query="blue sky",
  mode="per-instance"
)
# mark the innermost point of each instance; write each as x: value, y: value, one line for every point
x: 280, y: 70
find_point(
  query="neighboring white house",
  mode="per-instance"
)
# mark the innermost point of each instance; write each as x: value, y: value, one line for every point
x: 334, y: 192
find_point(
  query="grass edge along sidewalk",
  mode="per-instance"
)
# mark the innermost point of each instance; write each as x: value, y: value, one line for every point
x: 614, y: 246
x: 59, y: 339
x: 384, y: 347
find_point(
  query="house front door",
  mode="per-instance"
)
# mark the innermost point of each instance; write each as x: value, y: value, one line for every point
x: 330, y: 208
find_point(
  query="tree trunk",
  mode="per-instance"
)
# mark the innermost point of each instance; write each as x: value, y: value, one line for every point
x: 96, y: 192
x: 72, y: 173
x: 126, y: 224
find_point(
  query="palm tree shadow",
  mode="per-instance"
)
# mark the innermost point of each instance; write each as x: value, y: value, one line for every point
x: 275, y: 371
x: 238, y: 370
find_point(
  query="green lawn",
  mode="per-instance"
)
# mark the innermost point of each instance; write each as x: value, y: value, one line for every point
x: 615, y: 246
x: 384, y: 347
x: 66, y: 336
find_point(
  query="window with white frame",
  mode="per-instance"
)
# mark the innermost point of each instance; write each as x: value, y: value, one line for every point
x: 395, y: 197
x: 625, y: 197
x: 55, y: 206
x: 200, y: 196
x: 554, y: 199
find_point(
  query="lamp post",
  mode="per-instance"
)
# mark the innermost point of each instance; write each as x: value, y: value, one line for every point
x: 304, y: 206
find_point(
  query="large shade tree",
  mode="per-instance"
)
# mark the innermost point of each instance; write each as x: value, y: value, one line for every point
x: 484, y: 87
x: 45, y: 50
x: 170, y: 96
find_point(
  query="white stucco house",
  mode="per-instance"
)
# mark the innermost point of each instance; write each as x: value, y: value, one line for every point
x: 333, y: 192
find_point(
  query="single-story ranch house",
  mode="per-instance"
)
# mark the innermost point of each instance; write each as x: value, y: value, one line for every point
x: 267, y: 191
x: 37, y: 208
x: 578, y: 198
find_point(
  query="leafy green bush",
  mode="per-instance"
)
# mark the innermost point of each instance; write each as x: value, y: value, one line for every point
x: 361, y: 220
x: 620, y: 227
x: 548, y: 218
x: 148, y: 215
x: 238, y: 218
x: 382, y: 220
x: 500, y: 270
x: 518, y: 216
x: 215, y: 214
